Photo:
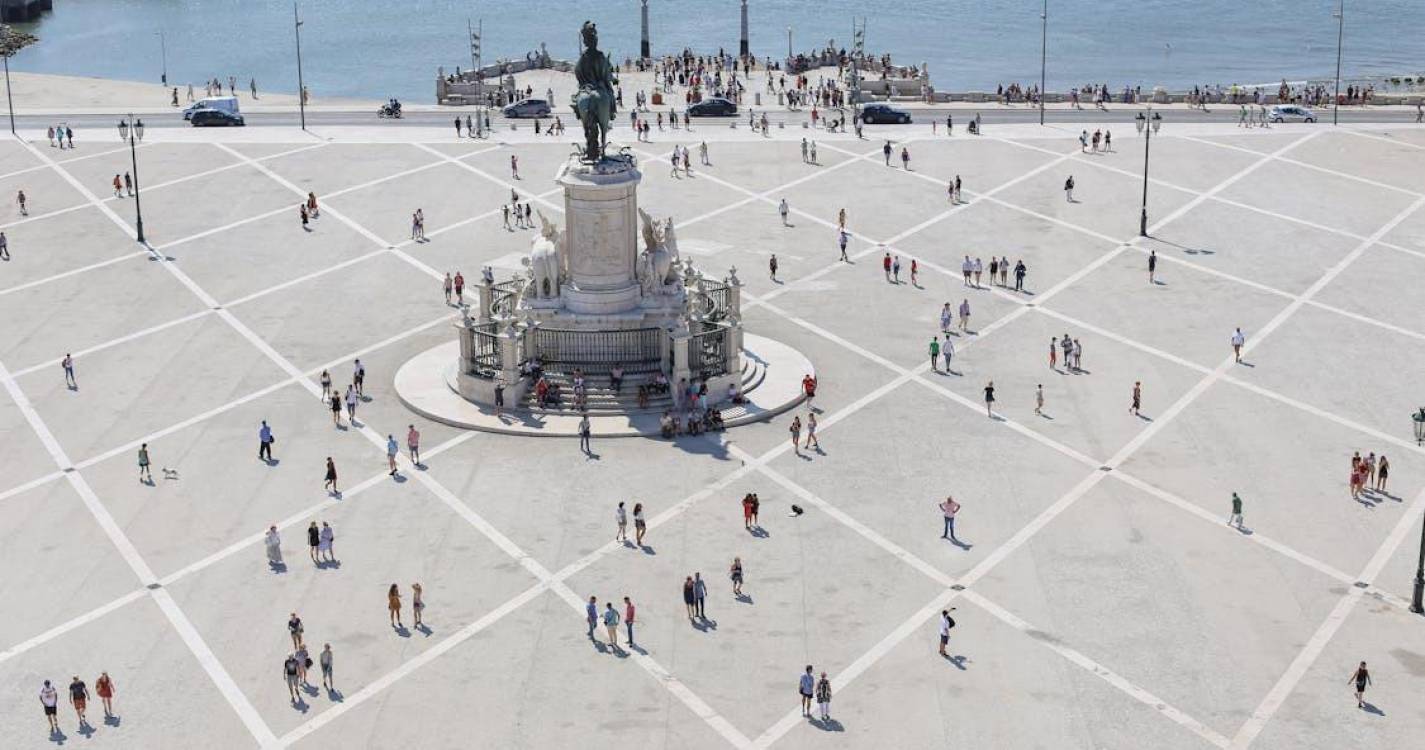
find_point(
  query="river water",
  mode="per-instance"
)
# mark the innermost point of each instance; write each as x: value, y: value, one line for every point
x: 383, y: 48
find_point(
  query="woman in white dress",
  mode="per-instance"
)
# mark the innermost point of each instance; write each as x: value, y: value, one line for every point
x: 274, y: 547
x: 324, y: 545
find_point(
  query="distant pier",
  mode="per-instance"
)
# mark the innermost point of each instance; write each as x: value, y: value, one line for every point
x: 18, y: 11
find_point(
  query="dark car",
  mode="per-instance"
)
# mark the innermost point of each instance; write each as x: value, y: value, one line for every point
x: 879, y: 114
x: 712, y: 107
x: 215, y: 118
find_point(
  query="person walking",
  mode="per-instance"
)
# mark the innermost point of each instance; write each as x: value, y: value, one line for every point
x: 290, y: 671
x: 459, y: 289
x: 312, y: 209
x: 330, y: 483
x: 1237, y: 341
x: 1069, y: 189
x: 1236, y: 517
x: 1152, y: 266
x: 144, y: 472
x: 324, y: 544
x: 628, y: 612
x: 104, y: 688
x: 302, y: 214
x: 886, y: 151
x: 68, y: 364
x: 4, y: 247
x: 735, y: 573
x: 783, y: 209
x: 1019, y: 271
x: 118, y: 186
x: 49, y: 700
x: 772, y: 266
x: 264, y: 442
x: 20, y: 199
x: 514, y: 166
x: 418, y: 605
x: 324, y: 659
x: 886, y: 266
x: 841, y: 240
x: 1137, y: 398
x: 1382, y: 471
x: 611, y: 620
x: 393, y: 605
x: 965, y: 315
x: 640, y: 526
x: 413, y: 444
x: 806, y: 685
x: 823, y: 697
x: 326, y: 381
x: 1054, y: 353
x: 948, y: 509
x: 1039, y: 399
x: 905, y: 158
x: 335, y: 403
x: 295, y: 630
x: 934, y: 353
x: 591, y: 615
x: 946, y: 622
x: 947, y: 350
x: 304, y: 662
x: 351, y: 402
x: 584, y: 433
x: 990, y: 399
x: 1362, y: 678
x: 796, y: 431
x: 688, y: 597
x: 449, y: 286
x: 811, y: 432
x: 946, y: 317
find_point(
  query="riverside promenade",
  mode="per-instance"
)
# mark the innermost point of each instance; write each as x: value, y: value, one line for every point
x: 1101, y: 598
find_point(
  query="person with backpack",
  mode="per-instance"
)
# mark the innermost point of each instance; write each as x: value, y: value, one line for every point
x: 946, y: 623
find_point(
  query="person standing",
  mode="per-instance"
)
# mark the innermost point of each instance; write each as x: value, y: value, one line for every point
x: 1039, y: 399
x: 688, y: 598
x: 1152, y: 266
x: 514, y: 166
x: 1236, y: 517
x: 335, y: 403
x: 990, y: 399
x: 264, y: 442
x: 1019, y: 272
x: 304, y: 662
x: 325, y: 660
x: 628, y: 612
x: 273, y: 542
x: 1362, y: 678
x: 418, y: 605
x: 823, y: 697
x: 1137, y: 398
x: 806, y: 685
x: 886, y: 151
x: 312, y: 209
x: 104, y: 688
x: 948, y: 509
x: 783, y: 209
x: 393, y: 605
x: 796, y: 430
x: 118, y: 186
x: 640, y: 526
x: 413, y: 444
x: 358, y: 377
x: 948, y: 352
x: 144, y: 472
x: 314, y: 540
x: 811, y: 432
x: 393, y: 449
x: 1053, y: 352
x: 611, y: 619
x: 49, y: 700
x: 330, y: 483
x: 1237, y: 341
x: 772, y: 266
x: 591, y: 615
x: 700, y: 594
x: 1382, y: 470
x: 351, y: 402
x: 945, y: 319
x: 965, y: 315
x: 449, y: 287
x: 736, y: 575
x: 841, y: 240
x: 324, y: 544
x: 584, y: 433
x: 295, y: 630
x: 905, y: 158
x: 1069, y: 189
x: 20, y: 199
x: 457, y: 127
x: 326, y: 381
x: 946, y: 622
x: 68, y: 364
x: 886, y: 266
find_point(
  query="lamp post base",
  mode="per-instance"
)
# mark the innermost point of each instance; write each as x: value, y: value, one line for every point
x: 1416, y: 604
x: 1143, y: 223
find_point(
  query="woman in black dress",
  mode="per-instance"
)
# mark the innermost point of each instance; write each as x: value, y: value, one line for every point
x: 990, y: 399
x: 1362, y: 678
x: 331, y: 476
x: 314, y: 538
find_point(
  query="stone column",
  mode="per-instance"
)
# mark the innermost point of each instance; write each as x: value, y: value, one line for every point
x: 643, y: 48
x: 600, y: 236
x: 486, y: 299
x: 732, y: 347
x: 734, y: 293
x: 511, y: 353
x: 742, y: 45
x: 467, y: 345
x: 681, y: 369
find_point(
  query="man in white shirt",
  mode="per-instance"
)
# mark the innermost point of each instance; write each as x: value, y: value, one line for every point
x: 49, y: 698
x: 946, y: 622
x: 1237, y: 341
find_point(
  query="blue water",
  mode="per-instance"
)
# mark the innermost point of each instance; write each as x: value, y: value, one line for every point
x: 381, y: 48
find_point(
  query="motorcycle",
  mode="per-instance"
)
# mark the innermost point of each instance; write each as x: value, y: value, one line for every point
x: 387, y: 111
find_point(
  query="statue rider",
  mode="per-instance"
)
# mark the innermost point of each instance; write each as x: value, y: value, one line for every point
x: 595, y: 102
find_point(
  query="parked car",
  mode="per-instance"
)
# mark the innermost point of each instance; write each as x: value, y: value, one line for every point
x: 712, y: 106
x: 215, y: 118
x: 877, y: 114
x: 1290, y: 113
x: 527, y: 108
x: 227, y: 104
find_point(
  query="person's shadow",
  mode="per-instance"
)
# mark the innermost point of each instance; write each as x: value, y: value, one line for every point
x: 1371, y: 708
x: 958, y: 661
x: 57, y: 736
x: 704, y: 625
x: 335, y: 695
x: 758, y: 532
x: 828, y: 725
x: 112, y: 720
x: 743, y: 598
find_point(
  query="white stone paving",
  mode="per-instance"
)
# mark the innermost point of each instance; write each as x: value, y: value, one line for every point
x: 1091, y: 613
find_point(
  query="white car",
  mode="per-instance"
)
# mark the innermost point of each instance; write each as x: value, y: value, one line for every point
x: 1290, y: 113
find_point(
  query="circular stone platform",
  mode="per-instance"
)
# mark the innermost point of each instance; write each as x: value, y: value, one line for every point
x: 424, y: 385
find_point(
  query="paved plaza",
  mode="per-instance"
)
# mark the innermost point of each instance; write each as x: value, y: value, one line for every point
x: 1101, y: 600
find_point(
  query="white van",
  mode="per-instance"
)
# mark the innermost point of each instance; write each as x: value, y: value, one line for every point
x: 227, y: 104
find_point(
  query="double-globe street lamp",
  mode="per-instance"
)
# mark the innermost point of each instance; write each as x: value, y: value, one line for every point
x: 1417, y: 600
x: 131, y: 130
x: 1147, y: 127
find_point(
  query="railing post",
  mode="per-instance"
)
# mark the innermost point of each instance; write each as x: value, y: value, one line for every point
x: 511, y: 341
x: 734, y: 294
x: 467, y: 345
x: 732, y: 346
x: 681, y: 371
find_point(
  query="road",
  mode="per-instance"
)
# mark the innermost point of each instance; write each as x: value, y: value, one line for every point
x: 993, y: 114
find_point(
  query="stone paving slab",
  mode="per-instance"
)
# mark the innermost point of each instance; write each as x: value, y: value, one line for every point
x: 1099, y: 608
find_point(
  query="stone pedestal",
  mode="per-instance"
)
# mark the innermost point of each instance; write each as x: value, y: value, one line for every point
x: 600, y: 236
